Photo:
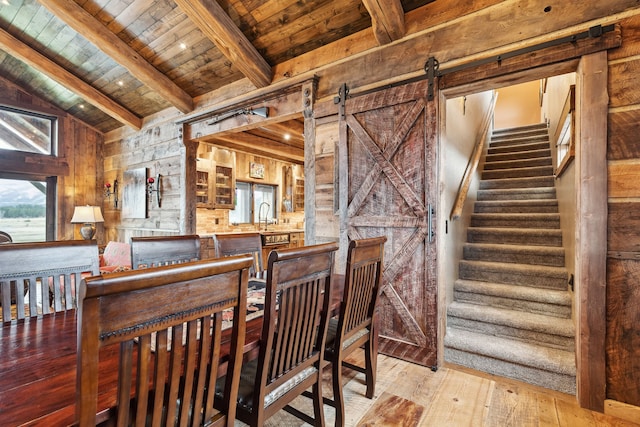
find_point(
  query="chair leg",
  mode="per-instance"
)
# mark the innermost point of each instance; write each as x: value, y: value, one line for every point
x: 371, y: 359
x: 371, y: 365
x: 338, y: 399
x: 318, y: 404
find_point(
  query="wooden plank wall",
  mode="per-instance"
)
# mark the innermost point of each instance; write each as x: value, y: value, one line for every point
x: 159, y: 148
x: 623, y: 239
x: 78, y: 166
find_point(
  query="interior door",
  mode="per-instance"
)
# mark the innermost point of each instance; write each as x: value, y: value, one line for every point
x: 389, y: 137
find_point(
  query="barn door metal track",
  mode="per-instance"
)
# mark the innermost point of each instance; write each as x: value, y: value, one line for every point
x: 432, y: 70
x: 432, y: 66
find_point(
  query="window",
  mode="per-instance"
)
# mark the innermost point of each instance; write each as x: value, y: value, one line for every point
x: 27, y: 131
x: 565, y: 145
x: 255, y: 203
x: 23, y: 207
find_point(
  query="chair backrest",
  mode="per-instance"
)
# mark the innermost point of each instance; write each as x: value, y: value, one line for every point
x: 241, y: 243
x: 294, y: 328
x: 168, y: 324
x: 47, y: 272
x: 361, y: 286
x: 164, y: 250
x: 5, y: 237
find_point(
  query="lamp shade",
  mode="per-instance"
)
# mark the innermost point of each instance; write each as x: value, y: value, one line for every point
x: 87, y: 214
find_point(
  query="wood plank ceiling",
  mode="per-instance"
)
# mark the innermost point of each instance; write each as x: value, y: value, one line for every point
x: 112, y: 63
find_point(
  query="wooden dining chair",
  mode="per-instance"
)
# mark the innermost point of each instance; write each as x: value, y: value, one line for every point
x: 354, y: 327
x: 242, y: 243
x: 167, y: 322
x: 156, y: 251
x: 46, y: 274
x: 292, y: 338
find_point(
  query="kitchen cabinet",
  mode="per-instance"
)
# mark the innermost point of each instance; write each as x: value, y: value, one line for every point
x: 215, y: 180
x: 224, y: 188
x: 299, y: 195
x: 204, y: 183
x: 296, y: 239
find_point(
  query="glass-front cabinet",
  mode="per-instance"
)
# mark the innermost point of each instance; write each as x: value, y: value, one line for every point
x: 224, y: 190
x: 215, y: 179
x: 203, y: 183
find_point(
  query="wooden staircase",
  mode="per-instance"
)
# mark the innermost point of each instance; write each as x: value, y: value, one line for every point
x: 511, y: 314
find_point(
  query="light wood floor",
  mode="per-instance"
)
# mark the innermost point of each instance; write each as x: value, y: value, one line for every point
x: 411, y: 395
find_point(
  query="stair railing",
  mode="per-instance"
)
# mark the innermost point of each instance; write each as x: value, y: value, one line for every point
x: 474, y: 160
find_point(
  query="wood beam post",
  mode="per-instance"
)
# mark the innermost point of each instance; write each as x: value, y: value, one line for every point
x: 591, y: 228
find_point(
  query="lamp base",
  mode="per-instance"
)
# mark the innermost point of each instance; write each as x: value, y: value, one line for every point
x: 87, y: 231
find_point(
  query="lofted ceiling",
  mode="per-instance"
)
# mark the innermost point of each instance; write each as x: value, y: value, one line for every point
x: 111, y: 63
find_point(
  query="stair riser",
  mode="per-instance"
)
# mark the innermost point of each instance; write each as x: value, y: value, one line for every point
x: 545, y: 223
x: 519, y: 155
x: 538, y: 280
x: 516, y: 183
x: 479, y: 236
x: 560, y: 311
x: 501, y: 141
x: 504, y: 331
x: 515, y: 208
x: 509, y: 164
x: 538, y: 377
x: 483, y: 254
x: 518, y: 173
x: 518, y: 148
x: 495, y: 195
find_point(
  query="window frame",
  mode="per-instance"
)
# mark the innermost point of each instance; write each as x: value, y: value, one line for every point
x: 273, y: 211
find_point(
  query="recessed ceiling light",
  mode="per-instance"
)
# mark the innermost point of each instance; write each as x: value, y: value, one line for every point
x: 183, y: 46
x: 120, y: 83
x: 287, y: 136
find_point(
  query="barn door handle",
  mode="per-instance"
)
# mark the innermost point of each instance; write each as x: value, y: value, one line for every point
x: 430, y: 213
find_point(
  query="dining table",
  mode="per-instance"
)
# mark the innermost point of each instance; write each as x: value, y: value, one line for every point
x: 38, y: 364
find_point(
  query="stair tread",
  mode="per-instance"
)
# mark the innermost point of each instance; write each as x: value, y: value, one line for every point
x: 517, y: 202
x: 516, y: 230
x: 512, y: 350
x: 545, y: 270
x: 524, y: 249
x: 520, y: 292
x: 536, y: 322
x: 527, y: 215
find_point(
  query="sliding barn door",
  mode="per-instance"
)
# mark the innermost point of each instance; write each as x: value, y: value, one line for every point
x: 388, y: 141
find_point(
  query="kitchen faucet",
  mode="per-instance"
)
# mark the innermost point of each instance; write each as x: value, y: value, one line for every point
x: 266, y: 216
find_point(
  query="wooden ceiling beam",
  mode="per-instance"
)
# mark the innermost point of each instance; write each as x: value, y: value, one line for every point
x: 33, y: 58
x: 387, y: 20
x: 90, y: 28
x: 214, y: 22
x: 254, y: 144
x: 251, y: 149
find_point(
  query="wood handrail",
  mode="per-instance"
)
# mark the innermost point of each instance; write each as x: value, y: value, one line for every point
x: 474, y: 160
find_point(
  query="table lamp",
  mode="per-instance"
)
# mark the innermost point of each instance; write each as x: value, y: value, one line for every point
x: 87, y: 215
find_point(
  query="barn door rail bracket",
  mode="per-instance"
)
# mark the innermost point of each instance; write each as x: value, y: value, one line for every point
x: 343, y: 92
x: 432, y: 66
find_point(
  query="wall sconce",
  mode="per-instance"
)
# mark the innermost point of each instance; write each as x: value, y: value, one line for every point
x: 108, y: 192
x: 153, y: 186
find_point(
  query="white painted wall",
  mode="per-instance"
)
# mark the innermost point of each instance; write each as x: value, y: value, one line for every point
x: 518, y: 105
x: 463, y: 120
